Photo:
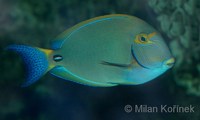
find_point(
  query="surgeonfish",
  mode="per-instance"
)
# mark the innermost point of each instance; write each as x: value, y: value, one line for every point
x: 104, y: 51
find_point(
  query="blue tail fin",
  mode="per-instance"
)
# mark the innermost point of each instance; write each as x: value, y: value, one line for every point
x: 35, y: 61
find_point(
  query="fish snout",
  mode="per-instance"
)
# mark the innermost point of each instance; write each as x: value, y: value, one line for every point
x: 169, y: 62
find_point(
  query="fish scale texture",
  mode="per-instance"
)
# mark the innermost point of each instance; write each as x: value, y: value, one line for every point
x: 35, y: 61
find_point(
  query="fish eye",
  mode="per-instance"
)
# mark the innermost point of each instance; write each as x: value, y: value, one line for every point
x: 57, y: 58
x: 143, y: 39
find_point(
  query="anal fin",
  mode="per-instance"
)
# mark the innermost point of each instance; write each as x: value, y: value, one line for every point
x: 62, y: 72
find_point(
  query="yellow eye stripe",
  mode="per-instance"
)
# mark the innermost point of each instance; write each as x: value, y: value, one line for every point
x: 151, y: 34
x: 144, y: 38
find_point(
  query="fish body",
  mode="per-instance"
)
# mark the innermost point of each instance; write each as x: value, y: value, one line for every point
x: 104, y: 51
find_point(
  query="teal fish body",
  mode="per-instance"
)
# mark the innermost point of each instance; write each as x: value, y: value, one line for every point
x: 104, y: 51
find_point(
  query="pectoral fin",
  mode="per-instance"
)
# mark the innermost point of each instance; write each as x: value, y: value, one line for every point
x: 115, y: 64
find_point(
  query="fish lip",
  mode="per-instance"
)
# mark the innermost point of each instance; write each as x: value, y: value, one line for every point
x: 169, y: 63
x: 137, y: 59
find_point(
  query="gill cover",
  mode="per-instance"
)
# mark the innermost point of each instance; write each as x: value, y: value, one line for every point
x: 35, y: 61
x: 152, y: 53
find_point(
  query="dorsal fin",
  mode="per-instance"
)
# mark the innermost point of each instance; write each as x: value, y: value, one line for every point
x: 60, y: 39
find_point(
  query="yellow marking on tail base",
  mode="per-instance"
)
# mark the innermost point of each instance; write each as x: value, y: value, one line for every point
x: 48, y: 52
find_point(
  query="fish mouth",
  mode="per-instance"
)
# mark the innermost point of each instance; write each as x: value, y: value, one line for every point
x: 169, y: 62
x: 137, y: 59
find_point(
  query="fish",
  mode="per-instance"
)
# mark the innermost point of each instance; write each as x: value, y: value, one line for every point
x: 104, y: 51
